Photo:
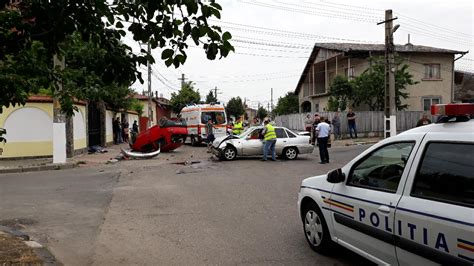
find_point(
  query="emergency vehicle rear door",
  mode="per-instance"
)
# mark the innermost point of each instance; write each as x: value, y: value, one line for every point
x: 364, y: 206
x: 434, y: 220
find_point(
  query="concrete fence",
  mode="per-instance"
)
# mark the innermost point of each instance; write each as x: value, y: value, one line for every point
x: 368, y: 123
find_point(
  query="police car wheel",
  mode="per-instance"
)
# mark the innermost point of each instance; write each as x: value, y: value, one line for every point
x: 229, y: 153
x: 315, y: 229
x: 290, y: 153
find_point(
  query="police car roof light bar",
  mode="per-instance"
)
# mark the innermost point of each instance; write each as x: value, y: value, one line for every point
x: 453, y: 109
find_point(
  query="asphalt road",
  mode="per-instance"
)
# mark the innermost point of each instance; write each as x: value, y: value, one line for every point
x: 163, y: 213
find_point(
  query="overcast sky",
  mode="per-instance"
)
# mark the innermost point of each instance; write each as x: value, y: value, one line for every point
x: 273, y: 41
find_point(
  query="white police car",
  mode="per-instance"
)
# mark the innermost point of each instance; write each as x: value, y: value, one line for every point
x: 407, y: 200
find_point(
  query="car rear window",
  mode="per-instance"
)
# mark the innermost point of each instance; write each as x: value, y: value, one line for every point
x: 446, y: 173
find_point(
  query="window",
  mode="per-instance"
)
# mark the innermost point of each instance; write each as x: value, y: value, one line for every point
x: 316, y: 107
x: 290, y: 134
x: 280, y: 133
x: 446, y: 174
x: 218, y: 118
x: 432, y: 71
x: 381, y: 169
x: 427, y: 102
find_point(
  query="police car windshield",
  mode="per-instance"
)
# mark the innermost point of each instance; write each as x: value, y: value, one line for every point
x: 218, y: 118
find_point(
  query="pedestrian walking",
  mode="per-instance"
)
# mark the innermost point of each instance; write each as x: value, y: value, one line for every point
x: 351, y: 116
x: 210, y: 134
x: 323, y: 131
x: 336, y: 126
x: 308, y: 123
x: 423, y: 121
x: 269, y: 140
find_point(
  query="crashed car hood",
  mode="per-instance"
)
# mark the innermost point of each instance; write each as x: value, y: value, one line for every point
x: 217, y: 142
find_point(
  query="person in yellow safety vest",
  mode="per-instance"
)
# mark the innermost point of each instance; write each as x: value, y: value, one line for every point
x: 269, y: 140
x: 238, y: 127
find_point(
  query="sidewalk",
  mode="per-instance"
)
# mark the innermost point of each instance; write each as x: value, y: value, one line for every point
x: 45, y: 164
x: 357, y: 141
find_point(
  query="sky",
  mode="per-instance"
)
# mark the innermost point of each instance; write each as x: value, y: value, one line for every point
x: 274, y: 38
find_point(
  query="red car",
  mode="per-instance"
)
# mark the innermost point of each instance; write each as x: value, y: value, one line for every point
x: 167, y: 136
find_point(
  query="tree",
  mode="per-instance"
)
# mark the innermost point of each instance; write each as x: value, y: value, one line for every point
x: 235, y: 107
x: 287, y: 104
x: 370, y: 85
x: 211, y: 98
x: 187, y: 95
x: 261, y: 113
x: 164, y: 24
x: 136, y: 106
x: 342, y: 92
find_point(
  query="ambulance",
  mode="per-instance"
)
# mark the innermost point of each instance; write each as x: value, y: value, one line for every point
x: 407, y: 200
x: 196, y: 117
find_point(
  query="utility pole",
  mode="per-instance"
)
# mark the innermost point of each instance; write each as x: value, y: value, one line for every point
x: 150, y: 95
x: 215, y: 92
x: 390, y: 95
x: 59, y: 120
x: 271, y: 100
x: 182, y: 80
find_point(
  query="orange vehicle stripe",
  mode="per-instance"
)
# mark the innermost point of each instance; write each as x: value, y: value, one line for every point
x: 203, y: 125
x: 466, y: 247
x: 339, y: 205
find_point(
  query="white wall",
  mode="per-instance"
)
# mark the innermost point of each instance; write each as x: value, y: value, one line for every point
x: 79, y: 125
x: 109, y: 115
x: 29, y: 124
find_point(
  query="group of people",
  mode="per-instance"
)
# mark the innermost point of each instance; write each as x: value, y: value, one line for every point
x: 321, y: 128
x: 121, y: 130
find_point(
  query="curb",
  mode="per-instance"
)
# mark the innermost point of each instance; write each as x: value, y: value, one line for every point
x: 38, y: 168
x: 43, y: 253
x: 361, y: 143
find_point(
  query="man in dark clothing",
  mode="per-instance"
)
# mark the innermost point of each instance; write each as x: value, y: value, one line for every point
x: 351, y: 116
x: 117, y: 131
x: 135, y: 127
x: 210, y: 134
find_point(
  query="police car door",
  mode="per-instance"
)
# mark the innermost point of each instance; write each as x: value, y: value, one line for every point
x: 434, y: 221
x: 364, y: 206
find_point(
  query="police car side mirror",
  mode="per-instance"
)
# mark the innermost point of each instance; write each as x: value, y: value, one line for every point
x: 336, y: 176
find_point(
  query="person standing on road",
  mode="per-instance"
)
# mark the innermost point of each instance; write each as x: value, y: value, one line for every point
x: 323, y: 131
x: 336, y: 125
x: 209, y: 134
x: 125, y: 130
x: 423, y: 121
x: 316, y: 121
x: 238, y: 126
x: 117, y: 130
x: 308, y: 123
x: 269, y: 140
x: 351, y: 116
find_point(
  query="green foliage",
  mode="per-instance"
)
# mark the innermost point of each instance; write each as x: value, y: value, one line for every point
x: 136, y: 106
x: 235, y: 107
x: 211, y: 98
x: 341, y: 91
x: 261, y: 113
x: 23, y: 73
x: 42, y: 28
x: 2, y: 138
x: 370, y: 85
x: 287, y: 104
x: 187, y: 95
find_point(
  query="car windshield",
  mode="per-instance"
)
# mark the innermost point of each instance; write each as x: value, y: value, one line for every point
x: 218, y: 118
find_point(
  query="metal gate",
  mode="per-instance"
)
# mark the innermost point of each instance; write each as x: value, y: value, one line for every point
x: 94, y: 124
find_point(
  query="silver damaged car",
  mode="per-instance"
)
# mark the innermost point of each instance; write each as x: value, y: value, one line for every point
x: 289, y: 144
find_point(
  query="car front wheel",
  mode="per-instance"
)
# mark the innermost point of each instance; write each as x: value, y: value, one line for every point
x: 315, y: 229
x: 229, y: 153
x: 290, y: 153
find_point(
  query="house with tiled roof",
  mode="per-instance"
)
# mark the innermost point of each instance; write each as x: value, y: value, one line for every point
x: 431, y: 67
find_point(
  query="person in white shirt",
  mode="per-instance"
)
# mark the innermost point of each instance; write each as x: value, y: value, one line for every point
x: 323, y: 131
